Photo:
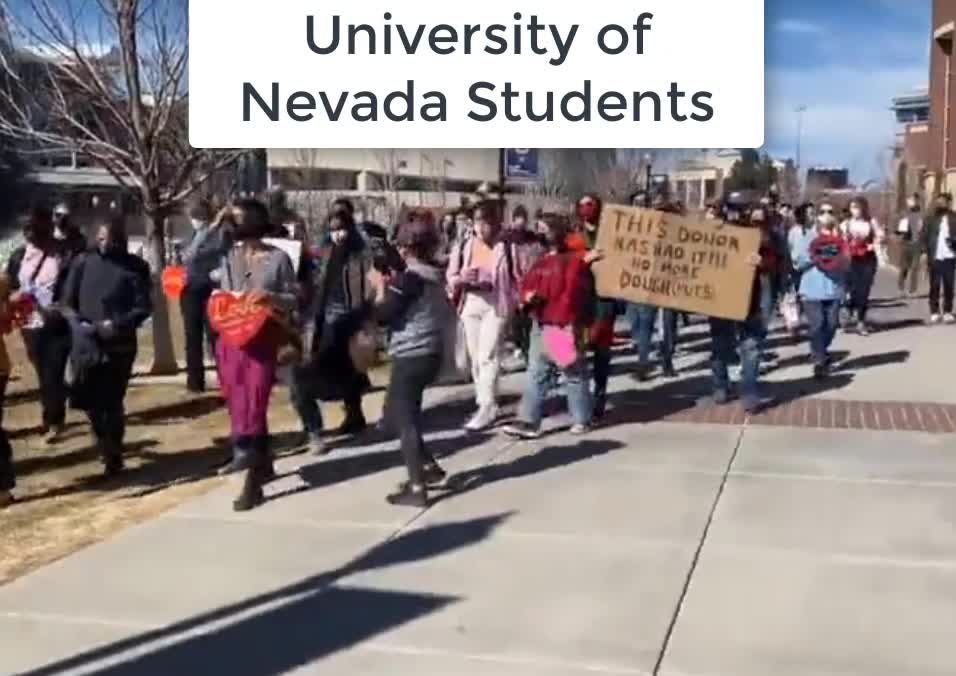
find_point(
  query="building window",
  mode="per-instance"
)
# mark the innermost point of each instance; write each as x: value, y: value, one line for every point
x: 295, y: 179
x: 710, y: 189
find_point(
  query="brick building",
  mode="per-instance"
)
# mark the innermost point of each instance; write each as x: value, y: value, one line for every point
x: 941, y: 173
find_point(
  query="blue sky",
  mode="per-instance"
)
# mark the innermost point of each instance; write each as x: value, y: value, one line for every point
x: 844, y: 60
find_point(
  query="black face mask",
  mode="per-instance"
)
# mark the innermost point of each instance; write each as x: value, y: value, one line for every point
x: 941, y: 209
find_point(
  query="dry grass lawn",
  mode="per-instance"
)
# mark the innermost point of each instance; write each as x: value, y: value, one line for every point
x: 174, y: 441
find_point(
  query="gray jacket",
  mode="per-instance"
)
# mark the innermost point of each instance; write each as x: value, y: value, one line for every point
x: 418, y: 312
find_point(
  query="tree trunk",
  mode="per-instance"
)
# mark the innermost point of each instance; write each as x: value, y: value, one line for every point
x: 164, y: 356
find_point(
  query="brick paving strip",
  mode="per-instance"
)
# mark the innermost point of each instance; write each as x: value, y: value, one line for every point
x: 930, y: 418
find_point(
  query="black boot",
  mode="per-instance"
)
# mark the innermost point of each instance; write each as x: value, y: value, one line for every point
x: 251, y: 495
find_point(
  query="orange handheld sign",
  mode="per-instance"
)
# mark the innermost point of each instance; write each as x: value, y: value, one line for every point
x: 174, y: 281
x: 236, y: 318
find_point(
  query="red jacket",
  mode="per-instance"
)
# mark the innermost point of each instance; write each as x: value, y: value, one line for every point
x: 558, y: 287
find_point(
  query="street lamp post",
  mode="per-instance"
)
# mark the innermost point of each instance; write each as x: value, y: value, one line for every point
x: 800, y: 110
x: 648, y: 159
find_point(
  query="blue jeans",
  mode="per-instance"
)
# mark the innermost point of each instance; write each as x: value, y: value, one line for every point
x: 728, y: 337
x: 823, y: 317
x: 643, y: 318
x: 542, y: 373
x: 305, y: 403
x: 768, y: 303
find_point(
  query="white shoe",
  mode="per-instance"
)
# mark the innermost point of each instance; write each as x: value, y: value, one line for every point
x: 935, y: 319
x: 949, y: 319
x: 579, y: 429
x: 483, y: 419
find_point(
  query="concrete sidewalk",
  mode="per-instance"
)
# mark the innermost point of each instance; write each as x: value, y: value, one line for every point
x: 645, y: 548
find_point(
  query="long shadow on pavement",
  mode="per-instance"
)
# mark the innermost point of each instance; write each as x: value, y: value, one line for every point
x: 275, y: 632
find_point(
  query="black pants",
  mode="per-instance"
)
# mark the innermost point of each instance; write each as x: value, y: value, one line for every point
x: 941, y: 278
x: 108, y: 382
x: 196, y: 324
x: 862, y: 274
x: 521, y: 332
x: 403, y: 405
x: 7, y: 477
x: 49, y: 349
x: 909, y: 267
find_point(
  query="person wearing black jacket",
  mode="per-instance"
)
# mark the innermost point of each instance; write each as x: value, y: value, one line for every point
x: 939, y: 243
x: 210, y: 241
x: 107, y: 298
x: 38, y: 269
x: 67, y: 231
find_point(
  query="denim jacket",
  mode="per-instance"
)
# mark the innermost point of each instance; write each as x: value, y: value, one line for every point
x: 816, y: 284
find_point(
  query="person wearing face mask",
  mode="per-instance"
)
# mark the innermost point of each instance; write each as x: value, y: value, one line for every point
x: 733, y: 342
x: 558, y: 293
x: 67, y: 231
x: 481, y: 279
x: 583, y: 242
x: 864, y: 236
x: 939, y: 244
x: 107, y: 296
x: 822, y: 259
x: 523, y: 248
x: 773, y: 273
x: 207, y: 246
x: 38, y: 270
x: 910, y: 232
x: 339, y: 301
x: 248, y: 374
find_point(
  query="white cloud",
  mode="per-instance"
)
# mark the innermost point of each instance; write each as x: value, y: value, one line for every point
x: 799, y: 27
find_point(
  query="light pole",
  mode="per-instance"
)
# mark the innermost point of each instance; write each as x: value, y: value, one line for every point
x: 800, y: 110
x: 648, y: 159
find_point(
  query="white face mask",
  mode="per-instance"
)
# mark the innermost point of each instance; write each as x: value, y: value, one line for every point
x: 197, y: 224
x: 856, y: 212
x: 826, y: 220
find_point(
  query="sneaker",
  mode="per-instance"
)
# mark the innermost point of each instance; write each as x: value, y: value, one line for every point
x: 53, y: 435
x: 523, y: 430
x: 409, y: 496
x: 949, y: 319
x: 935, y: 319
x: 821, y: 371
x: 579, y: 429
x: 352, y: 426
x: 433, y: 475
x: 316, y: 445
x: 721, y: 397
x: 755, y: 405
x: 862, y: 329
x: 483, y: 419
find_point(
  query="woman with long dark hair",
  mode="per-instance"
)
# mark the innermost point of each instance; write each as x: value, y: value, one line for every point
x: 864, y: 236
x: 248, y: 374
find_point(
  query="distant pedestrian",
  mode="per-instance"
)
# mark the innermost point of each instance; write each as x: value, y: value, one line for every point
x: 524, y: 246
x: 864, y: 236
x: 38, y: 270
x: 481, y: 283
x: 210, y: 241
x: 107, y: 296
x: 910, y: 233
x: 939, y: 244
x: 7, y: 475
x: 822, y: 258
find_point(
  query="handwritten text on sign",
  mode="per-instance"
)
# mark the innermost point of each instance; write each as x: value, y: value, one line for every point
x: 675, y: 262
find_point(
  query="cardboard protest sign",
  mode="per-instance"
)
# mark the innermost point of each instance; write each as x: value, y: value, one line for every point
x: 676, y: 262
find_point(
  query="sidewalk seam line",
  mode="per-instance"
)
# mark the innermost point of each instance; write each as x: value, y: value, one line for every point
x: 697, y: 553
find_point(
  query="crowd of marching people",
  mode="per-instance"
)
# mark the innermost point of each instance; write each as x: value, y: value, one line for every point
x: 463, y: 295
